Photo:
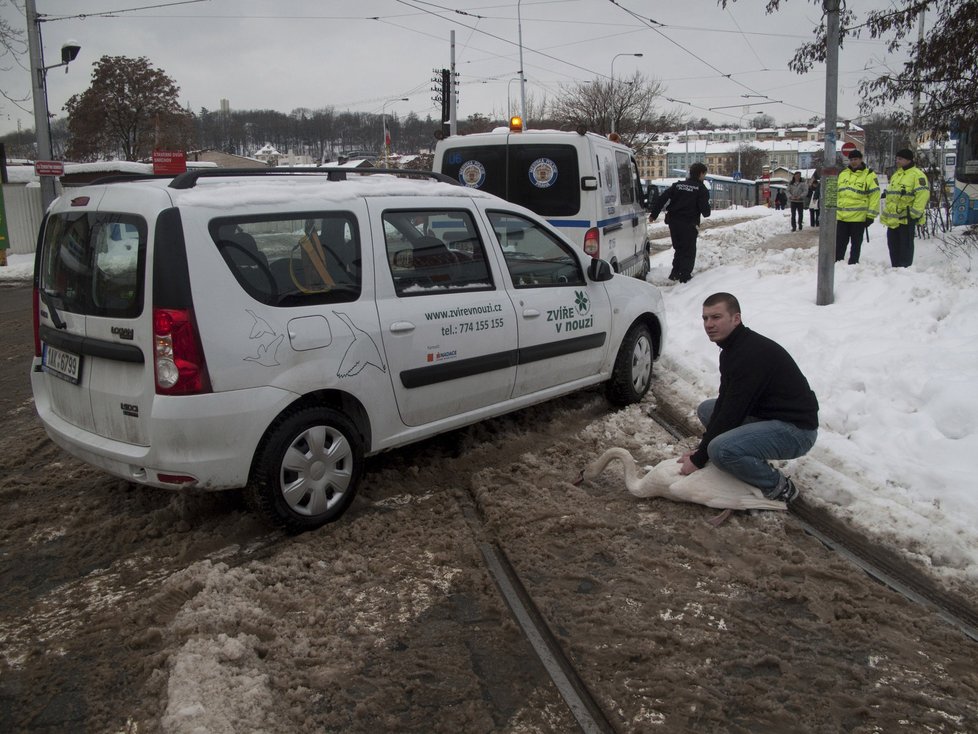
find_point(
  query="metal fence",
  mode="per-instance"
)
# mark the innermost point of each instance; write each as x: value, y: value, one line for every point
x: 24, y: 212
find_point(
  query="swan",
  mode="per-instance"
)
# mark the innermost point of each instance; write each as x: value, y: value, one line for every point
x: 708, y: 486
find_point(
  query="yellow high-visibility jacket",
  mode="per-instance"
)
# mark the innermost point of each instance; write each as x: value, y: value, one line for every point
x: 907, y: 195
x: 859, y: 195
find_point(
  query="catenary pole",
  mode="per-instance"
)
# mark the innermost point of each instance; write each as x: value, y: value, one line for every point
x: 42, y: 123
x: 830, y: 168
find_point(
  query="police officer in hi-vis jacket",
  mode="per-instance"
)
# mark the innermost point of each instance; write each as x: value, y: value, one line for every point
x: 907, y: 194
x: 857, y: 206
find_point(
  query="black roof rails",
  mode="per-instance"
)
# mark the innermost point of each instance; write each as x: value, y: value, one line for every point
x: 189, y: 179
x: 123, y: 177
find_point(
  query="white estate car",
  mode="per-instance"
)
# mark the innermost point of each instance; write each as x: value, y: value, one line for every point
x: 268, y: 329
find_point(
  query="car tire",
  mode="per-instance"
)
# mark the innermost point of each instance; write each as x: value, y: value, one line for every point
x: 632, y: 373
x: 307, y: 469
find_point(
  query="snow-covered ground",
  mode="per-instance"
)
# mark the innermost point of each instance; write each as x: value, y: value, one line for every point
x: 893, y: 361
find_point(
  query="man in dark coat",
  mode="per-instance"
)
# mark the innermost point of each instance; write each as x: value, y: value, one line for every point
x: 685, y: 202
x: 765, y: 409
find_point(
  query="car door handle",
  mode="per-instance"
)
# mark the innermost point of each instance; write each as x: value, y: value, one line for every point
x: 401, y: 327
x: 530, y: 313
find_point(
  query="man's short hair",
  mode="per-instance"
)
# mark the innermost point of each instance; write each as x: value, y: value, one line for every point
x: 727, y: 299
x: 696, y: 169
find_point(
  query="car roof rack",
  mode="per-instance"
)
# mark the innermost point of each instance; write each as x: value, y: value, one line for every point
x: 189, y: 179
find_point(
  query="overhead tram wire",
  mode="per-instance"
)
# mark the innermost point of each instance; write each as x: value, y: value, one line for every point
x: 651, y: 23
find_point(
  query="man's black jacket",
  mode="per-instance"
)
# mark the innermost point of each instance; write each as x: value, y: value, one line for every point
x: 758, y: 379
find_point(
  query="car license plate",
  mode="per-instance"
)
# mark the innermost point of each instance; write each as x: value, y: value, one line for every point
x: 62, y: 364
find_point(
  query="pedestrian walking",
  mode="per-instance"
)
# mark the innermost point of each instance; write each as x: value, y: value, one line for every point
x: 814, y: 201
x: 685, y: 202
x: 765, y: 409
x: 857, y: 206
x: 907, y: 194
x: 797, y: 190
x: 780, y: 199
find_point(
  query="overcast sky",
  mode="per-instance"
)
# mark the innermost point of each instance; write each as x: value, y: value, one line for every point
x: 365, y: 55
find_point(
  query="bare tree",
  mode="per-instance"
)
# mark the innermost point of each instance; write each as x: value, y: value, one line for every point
x: 130, y: 108
x: 13, y: 50
x: 752, y: 161
x: 633, y: 104
x: 942, y: 71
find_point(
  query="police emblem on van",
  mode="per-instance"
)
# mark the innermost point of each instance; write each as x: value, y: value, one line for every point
x: 472, y: 174
x: 543, y: 173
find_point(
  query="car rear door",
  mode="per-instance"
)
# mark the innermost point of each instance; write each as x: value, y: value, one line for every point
x: 92, y: 272
x: 448, y: 325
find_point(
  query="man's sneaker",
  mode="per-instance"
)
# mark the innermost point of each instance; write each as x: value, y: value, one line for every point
x: 786, y: 491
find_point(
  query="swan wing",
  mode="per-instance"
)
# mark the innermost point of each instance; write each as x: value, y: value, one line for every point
x: 713, y: 487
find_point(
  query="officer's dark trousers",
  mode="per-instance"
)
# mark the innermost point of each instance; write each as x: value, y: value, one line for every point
x: 899, y: 240
x: 844, y: 233
x: 684, y: 236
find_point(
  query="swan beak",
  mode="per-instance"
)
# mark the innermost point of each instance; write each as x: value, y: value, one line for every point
x: 580, y: 479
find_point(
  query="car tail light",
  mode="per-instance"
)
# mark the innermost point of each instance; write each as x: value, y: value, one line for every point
x: 178, y: 355
x: 592, y: 242
x: 36, y: 316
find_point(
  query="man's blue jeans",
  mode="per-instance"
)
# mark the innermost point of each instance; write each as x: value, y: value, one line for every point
x: 744, y: 451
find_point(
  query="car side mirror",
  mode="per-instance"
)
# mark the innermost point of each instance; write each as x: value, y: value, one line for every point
x: 599, y: 271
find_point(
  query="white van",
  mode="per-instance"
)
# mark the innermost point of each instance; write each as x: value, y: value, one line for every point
x: 269, y: 328
x: 583, y: 184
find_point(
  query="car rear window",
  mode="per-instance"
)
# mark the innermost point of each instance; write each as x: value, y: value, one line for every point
x: 543, y: 178
x: 93, y: 263
x: 293, y: 260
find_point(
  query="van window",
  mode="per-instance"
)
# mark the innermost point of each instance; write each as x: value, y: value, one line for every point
x: 543, y: 178
x: 93, y: 263
x: 293, y: 260
x: 626, y: 177
x: 534, y: 257
x: 432, y: 251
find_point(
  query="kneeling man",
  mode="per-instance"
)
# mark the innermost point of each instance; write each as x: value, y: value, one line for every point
x: 765, y: 409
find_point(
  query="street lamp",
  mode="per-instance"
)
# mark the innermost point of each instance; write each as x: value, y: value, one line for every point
x: 383, y: 117
x: 613, y: 86
x: 42, y: 117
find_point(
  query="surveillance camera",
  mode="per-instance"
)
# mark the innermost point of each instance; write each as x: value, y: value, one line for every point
x: 69, y: 50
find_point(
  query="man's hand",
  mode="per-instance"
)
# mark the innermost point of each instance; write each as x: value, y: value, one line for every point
x: 688, y: 467
x: 652, y: 219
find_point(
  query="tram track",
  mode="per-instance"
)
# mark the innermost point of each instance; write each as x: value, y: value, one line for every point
x: 879, y: 562
x: 591, y: 707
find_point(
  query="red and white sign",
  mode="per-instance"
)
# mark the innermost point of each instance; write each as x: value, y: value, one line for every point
x: 169, y: 162
x: 49, y: 168
x: 847, y: 148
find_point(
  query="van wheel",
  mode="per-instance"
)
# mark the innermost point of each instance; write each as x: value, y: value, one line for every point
x: 308, y: 469
x: 646, y: 266
x: 632, y: 374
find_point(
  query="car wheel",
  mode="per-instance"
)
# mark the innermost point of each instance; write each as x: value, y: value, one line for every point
x: 308, y: 469
x: 632, y: 374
